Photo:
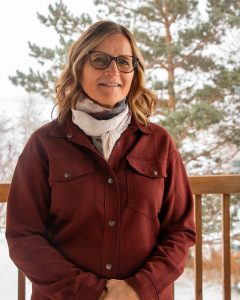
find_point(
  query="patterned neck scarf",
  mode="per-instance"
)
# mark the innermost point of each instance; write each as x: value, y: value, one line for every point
x: 99, y: 112
x: 103, y: 125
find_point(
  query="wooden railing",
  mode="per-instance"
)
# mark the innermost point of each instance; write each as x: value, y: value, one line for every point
x: 4, y: 190
x: 201, y: 185
x: 223, y: 185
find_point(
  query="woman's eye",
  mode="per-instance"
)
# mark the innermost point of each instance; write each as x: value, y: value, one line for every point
x: 100, y: 59
x: 123, y: 61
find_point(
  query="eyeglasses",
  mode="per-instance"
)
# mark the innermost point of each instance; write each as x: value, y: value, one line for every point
x: 101, y: 61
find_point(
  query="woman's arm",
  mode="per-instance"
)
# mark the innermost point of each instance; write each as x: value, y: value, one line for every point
x: 176, y: 235
x: 29, y: 244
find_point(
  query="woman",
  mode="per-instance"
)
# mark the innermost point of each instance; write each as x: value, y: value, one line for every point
x: 100, y: 205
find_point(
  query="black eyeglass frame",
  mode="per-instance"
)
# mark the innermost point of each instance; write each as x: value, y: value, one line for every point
x: 135, y: 60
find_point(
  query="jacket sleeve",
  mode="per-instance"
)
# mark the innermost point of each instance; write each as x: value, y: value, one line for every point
x: 29, y: 245
x: 177, y: 234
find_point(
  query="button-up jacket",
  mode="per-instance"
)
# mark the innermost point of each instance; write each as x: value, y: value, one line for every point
x: 75, y: 220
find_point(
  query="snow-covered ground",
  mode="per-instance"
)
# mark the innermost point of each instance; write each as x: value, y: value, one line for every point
x: 184, y: 286
x: 184, y: 289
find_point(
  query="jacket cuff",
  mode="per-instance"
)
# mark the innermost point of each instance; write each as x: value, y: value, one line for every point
x: 144, y: 286
x: 90, y: 292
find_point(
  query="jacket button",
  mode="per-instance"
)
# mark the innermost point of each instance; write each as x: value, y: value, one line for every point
x: 155, y: 172
x: 67, y: 175
x: 110, y: 180
x: 111, y: 223
x: 69, y: 136
x: 108, y: 266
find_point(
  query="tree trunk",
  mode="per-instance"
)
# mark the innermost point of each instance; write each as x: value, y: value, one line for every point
x: 170, y: 64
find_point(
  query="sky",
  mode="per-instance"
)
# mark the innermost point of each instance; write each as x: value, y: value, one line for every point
x: 18, y: 25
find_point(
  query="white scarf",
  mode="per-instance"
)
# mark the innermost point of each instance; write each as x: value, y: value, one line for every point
x: 108, y: 130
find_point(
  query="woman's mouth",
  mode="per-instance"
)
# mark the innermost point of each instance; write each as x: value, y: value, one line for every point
x: 110, y: 84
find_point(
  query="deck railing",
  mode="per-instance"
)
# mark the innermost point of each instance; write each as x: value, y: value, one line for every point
x: 225, y: 185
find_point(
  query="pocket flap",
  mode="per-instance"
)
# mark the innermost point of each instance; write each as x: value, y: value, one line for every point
x: 147, y: 167
x: 63, y: 172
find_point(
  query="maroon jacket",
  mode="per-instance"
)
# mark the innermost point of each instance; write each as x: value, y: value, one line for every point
x: 75, y: 220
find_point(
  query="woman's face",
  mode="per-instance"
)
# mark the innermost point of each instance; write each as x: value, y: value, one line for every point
x: 109, y: 86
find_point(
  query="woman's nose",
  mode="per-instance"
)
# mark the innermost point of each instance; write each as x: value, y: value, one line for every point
x: 112, y: 67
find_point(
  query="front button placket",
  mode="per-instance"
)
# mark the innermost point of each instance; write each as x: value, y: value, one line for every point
x: 111, y: 236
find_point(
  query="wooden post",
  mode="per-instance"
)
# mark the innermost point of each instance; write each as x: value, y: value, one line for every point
x: 21, y: 286
x: 198, y: 248
x: 226, y: 256
x: 4, y: 191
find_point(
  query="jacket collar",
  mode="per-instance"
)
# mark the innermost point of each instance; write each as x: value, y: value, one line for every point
x: 142, y: 127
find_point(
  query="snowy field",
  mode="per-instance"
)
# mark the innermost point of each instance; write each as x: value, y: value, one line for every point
x: 184, y: 286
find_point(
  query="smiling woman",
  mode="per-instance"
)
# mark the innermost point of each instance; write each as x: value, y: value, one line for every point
x: 109, y: 83
x: 108, y: 209
x: 108, y: 80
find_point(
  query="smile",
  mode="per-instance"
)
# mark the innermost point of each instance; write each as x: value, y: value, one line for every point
x: 110, y: 84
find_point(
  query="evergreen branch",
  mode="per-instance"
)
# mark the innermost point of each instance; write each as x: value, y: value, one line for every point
x: 152, y: 64
x: 227, y: 159
x: 165, y: 13
x: 120, y: 4
x: 173, y: 19
x: 186, y: 57
x: 205, y: 153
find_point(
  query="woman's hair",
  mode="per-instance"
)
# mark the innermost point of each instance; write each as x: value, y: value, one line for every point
x: 68, y: 87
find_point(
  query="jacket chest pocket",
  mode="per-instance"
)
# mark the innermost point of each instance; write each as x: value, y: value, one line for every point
x: 145, y: 181
x: 72, y: 188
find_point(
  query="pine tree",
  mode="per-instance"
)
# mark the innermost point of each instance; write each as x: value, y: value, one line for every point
x: 192, y: 63
x: 68, y: 27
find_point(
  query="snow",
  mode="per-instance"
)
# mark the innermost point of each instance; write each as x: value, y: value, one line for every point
x: 184, y: 289
x: 184, y: 286
x: 9, y: 273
